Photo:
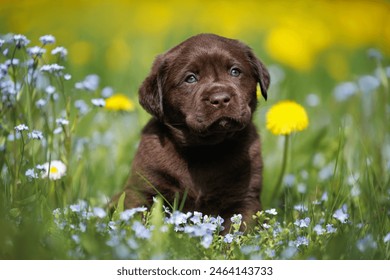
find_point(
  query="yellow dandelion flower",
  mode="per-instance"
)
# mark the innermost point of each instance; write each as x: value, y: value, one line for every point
x: 119, y: 102
x: 286, y: 117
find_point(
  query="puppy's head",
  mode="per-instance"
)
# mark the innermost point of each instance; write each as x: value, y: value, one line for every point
x: 205, y: 88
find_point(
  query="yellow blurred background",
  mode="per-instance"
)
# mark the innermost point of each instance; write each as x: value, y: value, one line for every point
x: 121, y: 35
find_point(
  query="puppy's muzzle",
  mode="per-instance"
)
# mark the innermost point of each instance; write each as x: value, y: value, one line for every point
x: 219, y: 100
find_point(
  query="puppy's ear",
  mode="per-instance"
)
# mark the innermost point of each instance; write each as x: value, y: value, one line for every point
x: 261, y: 73
x: 151, y: 91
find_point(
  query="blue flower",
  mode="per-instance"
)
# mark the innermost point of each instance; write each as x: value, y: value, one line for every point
x: 368, y: 83
x: 374, y: 53
x: 196, y: 218
x: 129, y: 213
x: 330, y: 228
x: 79, y: 207
x: 270, y: 253
x: 47, y: 39
x: 99, y: 212
x: 319, y: 229
x: 31, y: 174
x: 302, y: 223
x: 141, y: 231
x: 341, y: 214
x: 200, y: 229
x: 178, y: 218
x: 300, y: 208
x: 249, y: 249
x: 345, y: 90
x: 386, y: 238
x: 289, y: 252
x: 206, y: 241
x: 228, y: 238
x: 289, y: 180
x: 90, y: 83
x: 236, y: 219
x: 366, y: 243
x: 301, y: 240
x: 81, y: 106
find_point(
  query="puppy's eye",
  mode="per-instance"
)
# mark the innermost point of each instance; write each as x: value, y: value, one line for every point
x: 191, y: 79
x: 235, y: 72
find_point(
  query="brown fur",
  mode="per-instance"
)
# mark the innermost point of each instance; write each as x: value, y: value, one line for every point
x: 201, y: 141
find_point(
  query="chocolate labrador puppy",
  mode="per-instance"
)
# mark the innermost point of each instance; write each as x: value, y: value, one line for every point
x: 201, y: 145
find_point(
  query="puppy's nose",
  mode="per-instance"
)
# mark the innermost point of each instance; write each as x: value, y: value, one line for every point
x: 220, y: 99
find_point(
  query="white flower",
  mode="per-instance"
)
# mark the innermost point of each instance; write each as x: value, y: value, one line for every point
x: 99, y: 102
x: 36, y: 51
x: 35, y: 134
x: 40, y: 103
x: 50, y: 90
x: 52, y: 68
x: 62, y: 121
x: 47, y: 39
x: 55, y: 169
x: 61, y: 51
x: 21, y: 127
x: 266, y: 226
x: 20, y: 40
x: 271, y: 211
x: 58, y: 130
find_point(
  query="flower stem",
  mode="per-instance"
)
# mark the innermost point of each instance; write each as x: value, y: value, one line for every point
x: 283, y: 170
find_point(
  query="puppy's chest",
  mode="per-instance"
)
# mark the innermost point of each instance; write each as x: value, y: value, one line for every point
x: 215, y: 171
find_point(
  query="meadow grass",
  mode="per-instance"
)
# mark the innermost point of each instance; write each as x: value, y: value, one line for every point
x: 63, y: 154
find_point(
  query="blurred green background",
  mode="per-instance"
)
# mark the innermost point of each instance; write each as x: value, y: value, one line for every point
x: 119, y: 39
